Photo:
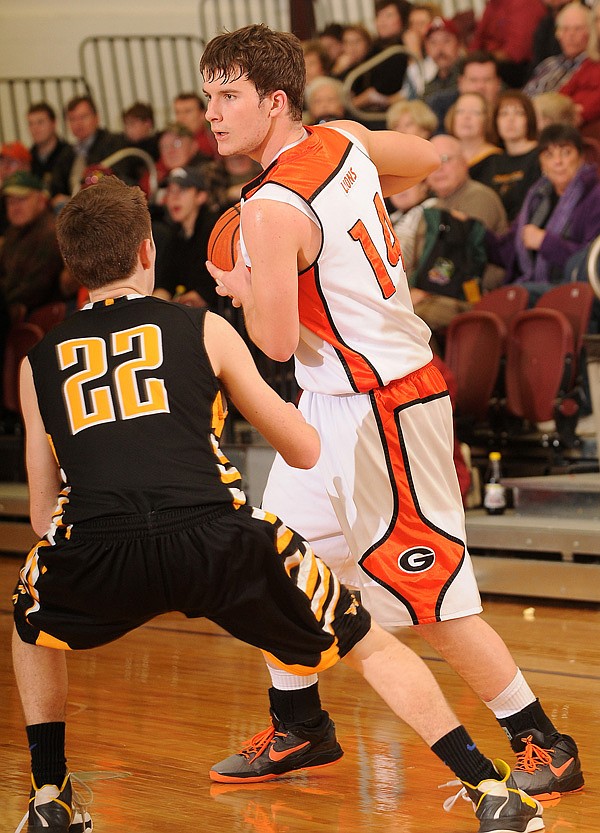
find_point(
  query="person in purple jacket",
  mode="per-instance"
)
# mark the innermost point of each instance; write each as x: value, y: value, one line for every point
x: 559, y: 217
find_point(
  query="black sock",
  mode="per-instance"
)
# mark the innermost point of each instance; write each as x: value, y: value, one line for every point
x: 47, y: 748
x: 532, y: 716
x: 457, y: 751
x: 302, y: 705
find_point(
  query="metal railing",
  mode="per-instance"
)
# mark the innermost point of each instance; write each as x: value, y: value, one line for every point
x: 366, y: 116
x: 122, y: 69
x: 17, y: 94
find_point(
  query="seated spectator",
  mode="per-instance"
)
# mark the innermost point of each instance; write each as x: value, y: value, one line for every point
x: 380, y: 86
x: 47, y: 145
x: 138, y: 128
x: 413, y: 117
x: 506, y: 29
x: 478, y: 73
x: 190, y: 111
x: 30, y: 260
x: 324, y: 99
x: 357, y: 43
x: 441, y: 66
x: 420, y: 17
x: 573, y: 27
x: 181, y: 274
x: 406, y: 212
x: 330, y: 39
x: 92, y: 146
x: 316, y: 60
x: 513, y: 171
x: 463, y: 199
x: 545, y: 43
x: 553, y: 108
x: 177, y: 149
x: 469, y: 121
x: 560, y: 215
x: 455, y: 191
x: 14, y: 157
x: 583, y: 87
x: 420, y: 68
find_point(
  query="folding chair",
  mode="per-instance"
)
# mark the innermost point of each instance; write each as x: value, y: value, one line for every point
x: 539, y: 363
x: 48, y: 315
x: 475, y: 343
x: 20, y: 339
x: 506, y: 301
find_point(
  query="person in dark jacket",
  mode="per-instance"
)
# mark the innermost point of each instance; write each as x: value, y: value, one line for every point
x: 93, y: 144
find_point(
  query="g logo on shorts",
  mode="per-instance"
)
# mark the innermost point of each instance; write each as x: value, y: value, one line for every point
x: 416, y: 559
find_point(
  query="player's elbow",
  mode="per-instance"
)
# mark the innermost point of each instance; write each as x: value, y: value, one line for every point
x: 279, y: 348
x: 306, y: 453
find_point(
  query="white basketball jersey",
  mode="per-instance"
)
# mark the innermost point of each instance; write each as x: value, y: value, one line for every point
x: 358, y: 329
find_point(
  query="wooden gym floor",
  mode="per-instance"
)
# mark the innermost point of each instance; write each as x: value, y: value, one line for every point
x: 148, y: 716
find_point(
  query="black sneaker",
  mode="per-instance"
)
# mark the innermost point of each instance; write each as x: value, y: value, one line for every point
x: 500, y: 806
x: 53, y: 810
x: 548, y: 771
x: 276, y: 751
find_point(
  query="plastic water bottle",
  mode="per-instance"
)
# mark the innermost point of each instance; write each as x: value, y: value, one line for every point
x: 494, y: 496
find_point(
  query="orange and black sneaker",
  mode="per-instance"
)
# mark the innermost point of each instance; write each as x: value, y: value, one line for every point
x: 279, y: 750
x: 548, y: 770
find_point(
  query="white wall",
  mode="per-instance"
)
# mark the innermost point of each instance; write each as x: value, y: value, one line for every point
x: 42, y: 37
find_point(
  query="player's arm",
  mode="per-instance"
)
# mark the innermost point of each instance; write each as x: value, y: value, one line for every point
x: 401, y: 159
x: 276, y: 236
x: 280, y: 423
x: 42, y: 469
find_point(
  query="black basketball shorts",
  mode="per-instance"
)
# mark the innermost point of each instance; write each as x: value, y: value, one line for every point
x: 243, y: 569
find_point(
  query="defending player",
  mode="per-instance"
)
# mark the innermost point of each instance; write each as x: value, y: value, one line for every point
x: 382, y: 507
x: 141, y: 513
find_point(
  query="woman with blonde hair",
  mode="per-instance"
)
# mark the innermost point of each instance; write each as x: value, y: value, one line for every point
x: 554, y: 108
x: 414, y: 117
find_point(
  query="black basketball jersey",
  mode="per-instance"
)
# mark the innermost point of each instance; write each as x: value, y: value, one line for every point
x: 133, y: 410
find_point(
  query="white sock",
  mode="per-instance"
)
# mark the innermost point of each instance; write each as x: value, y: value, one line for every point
x: 515, y: 697
x: 285, y: 681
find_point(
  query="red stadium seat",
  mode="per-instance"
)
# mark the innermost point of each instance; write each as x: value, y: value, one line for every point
x: 20, y: 339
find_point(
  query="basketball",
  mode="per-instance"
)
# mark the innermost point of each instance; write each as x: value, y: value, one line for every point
x: 223, y: 240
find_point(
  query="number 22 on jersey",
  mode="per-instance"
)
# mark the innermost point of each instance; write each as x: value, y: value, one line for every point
x: 126, y: 395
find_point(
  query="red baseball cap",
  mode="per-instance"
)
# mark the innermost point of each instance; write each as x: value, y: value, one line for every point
x: 442, y: 24
x: 16, y: 151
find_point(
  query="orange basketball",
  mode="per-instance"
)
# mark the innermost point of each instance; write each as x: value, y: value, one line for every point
x: 223, y: 240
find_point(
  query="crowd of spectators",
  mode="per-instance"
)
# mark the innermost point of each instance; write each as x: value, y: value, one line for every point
x: 483, y: 90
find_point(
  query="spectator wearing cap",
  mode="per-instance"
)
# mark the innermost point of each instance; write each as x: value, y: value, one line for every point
x: 506, y: 29
x: 30, y: 260
x: 189, y: 110
x: 443, y: 50
x: 181, y: 273
x: 14, y: 157
x: 47, y: 145
x: 93, y: 144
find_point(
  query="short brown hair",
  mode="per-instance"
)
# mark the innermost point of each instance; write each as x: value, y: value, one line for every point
x: 100, y: 231
x: 526, y: 104
x: 271, y: 60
